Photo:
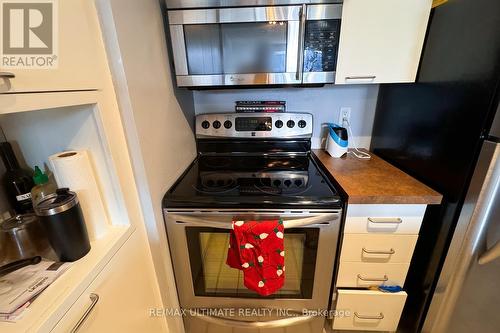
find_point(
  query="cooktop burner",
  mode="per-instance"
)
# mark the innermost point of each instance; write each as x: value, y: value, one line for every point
x: 252, y: 181
x: 255, y: 161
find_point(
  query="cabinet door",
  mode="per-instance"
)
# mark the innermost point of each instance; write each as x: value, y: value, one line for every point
x: 76, y: 44
x: 381, y: 40
x: 120, y: 297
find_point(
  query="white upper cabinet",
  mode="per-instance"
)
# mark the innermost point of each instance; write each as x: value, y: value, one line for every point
x: 75, y: 45
x: 381, y: 40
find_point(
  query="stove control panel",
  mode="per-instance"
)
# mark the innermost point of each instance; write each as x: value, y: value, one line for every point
x: 254, y: 125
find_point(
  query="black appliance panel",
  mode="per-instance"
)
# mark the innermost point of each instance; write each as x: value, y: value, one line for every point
x: 253, y: 182
x: 434, y: 129
x: 321, y: 45
x: 253, y: 124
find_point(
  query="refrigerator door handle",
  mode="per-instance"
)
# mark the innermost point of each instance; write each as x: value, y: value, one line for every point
x: 490, y: 255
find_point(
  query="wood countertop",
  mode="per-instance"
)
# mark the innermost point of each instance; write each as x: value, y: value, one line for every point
x: 375, y: 181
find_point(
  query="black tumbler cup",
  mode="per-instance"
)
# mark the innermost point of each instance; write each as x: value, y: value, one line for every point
x: 62, y: 218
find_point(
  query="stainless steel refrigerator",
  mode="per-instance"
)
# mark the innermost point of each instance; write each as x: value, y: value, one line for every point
x: 467, y: 294
x: 442, y: 130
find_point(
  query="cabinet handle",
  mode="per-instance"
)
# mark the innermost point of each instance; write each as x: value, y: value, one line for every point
x: 385, y: 278
x: 391, y: 251
x: 7, y: 75
x: 94, y: 299
x: 379, y: 317
x: 363, y: 77
x: 388, y: 221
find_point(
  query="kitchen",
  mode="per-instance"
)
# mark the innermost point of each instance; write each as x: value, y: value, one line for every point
x: 385, y: 243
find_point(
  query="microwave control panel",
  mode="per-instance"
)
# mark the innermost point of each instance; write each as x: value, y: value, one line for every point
x: 321, y: 45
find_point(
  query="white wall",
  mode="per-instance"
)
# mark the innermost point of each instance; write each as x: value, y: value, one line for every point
x: 157, y: 118
x: 324, y: 103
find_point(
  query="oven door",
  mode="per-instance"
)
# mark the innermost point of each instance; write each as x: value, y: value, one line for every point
x: 238, y: 46
x: 199, y: 245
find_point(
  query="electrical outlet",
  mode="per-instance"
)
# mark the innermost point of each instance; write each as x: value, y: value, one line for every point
x: 344, y: 116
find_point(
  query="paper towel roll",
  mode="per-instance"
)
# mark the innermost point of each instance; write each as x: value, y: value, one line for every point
x: 73, y: 169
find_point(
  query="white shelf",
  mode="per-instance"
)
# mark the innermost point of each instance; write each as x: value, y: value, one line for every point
x: 14, y: 103
x: 55, y: 301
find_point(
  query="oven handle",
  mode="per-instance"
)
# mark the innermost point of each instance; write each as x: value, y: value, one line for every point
x: 317, y: 220
x: 278, y: 323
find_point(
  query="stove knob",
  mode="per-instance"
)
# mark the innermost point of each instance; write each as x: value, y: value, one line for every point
x: 278, y: 124
x: 302, y: 123
x: 287, y: 182
x: 298, y: 182
x: 228, y: 124
x: 277, y: 183
x: 290, y: 124
x: 216, y: 124
x: 205, y: 124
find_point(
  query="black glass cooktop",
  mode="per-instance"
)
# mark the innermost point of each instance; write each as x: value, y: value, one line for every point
x: 252, y: 182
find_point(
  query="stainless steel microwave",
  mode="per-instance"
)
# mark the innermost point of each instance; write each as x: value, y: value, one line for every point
x: 272, y: 43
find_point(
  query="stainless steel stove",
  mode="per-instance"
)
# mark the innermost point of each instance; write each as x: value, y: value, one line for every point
x: 257, y: 166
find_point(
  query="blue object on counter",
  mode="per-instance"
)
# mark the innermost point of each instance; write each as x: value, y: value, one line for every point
x: 390, y: 289
x: 336, y: 142
x: 335, y: 134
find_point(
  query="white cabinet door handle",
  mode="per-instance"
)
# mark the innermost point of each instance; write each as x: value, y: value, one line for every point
x: 360, y: 316
x: 94, y: 298
x: 385, y: 221
x: 362, y: 77
x: 385, y: 278
x: 391, y: 251
x: 7, y: 75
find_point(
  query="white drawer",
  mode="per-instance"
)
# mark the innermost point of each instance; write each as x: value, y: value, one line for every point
x: 378, y: 248
x: 362, y: 275
x: 367, y: 310
x: 389, y: 219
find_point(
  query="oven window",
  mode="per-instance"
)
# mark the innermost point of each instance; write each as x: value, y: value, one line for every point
x: 212, y: 277
x: 236, y: 48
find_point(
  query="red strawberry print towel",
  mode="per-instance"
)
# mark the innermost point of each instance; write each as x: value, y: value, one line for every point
x: 257, y: 248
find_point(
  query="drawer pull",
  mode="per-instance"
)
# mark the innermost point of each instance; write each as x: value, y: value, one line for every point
x: 94, y: 298
x: 379, y: 317
x: 7, y: 75
x: 391, y: 251
x: 386, y: 221
x: 361, y: 77
x: 385, y: 278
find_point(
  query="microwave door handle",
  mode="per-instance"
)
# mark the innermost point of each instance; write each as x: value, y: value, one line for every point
x: 302, y: 32
x: 278, y: 323
x: 321, y: 219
